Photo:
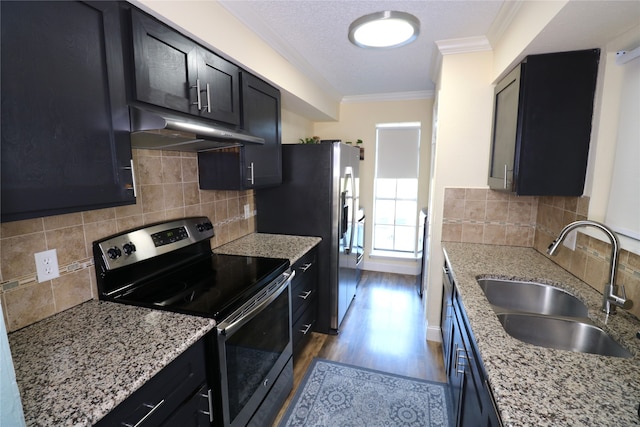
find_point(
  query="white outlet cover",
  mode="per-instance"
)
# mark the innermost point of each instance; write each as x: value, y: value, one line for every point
x: 47, y: 265
x: 247, y: 212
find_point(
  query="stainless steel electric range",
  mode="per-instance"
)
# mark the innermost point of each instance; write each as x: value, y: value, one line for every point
x: 170, y: 266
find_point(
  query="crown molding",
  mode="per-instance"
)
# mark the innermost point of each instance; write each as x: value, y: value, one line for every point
x: 396, y: 96
x: 463, y: 45
x: 503, y: 20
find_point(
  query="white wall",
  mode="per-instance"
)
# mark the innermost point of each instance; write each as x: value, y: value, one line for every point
x: 605, y: 131
x: 464, y: 111
x: 358, y: 121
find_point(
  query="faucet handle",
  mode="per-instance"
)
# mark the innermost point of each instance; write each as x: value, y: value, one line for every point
x: 621, y: 300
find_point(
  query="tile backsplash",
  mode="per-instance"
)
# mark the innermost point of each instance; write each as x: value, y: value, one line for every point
x: 474, y: 215
x: 590, y: 261
x: 167, y: 188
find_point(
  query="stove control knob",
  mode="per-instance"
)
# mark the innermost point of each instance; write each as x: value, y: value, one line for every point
x: 128, y: 248
x: 114, y: 252
x: 200, y: 227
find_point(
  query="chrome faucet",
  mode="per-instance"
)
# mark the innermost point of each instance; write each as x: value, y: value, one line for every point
x: 611, y: 299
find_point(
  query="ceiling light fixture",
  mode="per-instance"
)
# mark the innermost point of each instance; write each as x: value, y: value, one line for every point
x: 384, y: 30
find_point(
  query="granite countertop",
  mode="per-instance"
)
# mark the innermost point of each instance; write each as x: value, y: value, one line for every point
x: 76, y: 366
x: 270, y: 245
x: 537, y: 386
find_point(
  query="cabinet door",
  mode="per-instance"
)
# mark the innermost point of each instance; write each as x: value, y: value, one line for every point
x: 220, y: 88
x: 261, y: 117
x: 455, y: 372
x: 65, y: 124
x: 165, y: 65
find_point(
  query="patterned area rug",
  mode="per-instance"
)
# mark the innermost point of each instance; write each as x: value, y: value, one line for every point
x: 335, y: 394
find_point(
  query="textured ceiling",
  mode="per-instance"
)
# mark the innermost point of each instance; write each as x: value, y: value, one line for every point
x: 312, y: 35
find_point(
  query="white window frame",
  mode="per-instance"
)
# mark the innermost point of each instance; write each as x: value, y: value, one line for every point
x: 416, y: 232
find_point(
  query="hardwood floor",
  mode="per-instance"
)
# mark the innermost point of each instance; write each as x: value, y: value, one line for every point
x: 384, y: 329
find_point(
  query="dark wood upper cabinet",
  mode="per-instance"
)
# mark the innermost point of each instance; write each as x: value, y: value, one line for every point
x: 261, y: 117
x: 65, y: 124
x: 542, y: 125
x: 252, y: 165
x: 174, y: 72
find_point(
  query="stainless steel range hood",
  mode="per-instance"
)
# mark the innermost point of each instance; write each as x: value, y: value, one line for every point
x: 156, y: 130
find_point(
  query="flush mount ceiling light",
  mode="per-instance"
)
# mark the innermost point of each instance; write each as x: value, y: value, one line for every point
x: 383, y: 30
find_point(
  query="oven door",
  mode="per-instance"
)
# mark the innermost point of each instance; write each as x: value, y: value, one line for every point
x: 254, y: 345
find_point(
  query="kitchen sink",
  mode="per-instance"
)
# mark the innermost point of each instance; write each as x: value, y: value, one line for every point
x: 532, y: 297
x: 561, y: 333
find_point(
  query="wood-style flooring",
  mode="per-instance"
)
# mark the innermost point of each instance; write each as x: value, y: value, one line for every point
x: 385, y: 329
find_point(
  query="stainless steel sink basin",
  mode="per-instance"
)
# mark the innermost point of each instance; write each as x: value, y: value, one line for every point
x: 561, y: 333
x: 532, y: 297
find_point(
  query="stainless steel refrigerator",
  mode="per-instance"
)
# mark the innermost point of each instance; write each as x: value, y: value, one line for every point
x: 319, y: 196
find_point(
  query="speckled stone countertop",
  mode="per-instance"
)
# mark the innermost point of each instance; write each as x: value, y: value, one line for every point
x: 76, y: 366
x: 536, y: 386
x: 270, y: 245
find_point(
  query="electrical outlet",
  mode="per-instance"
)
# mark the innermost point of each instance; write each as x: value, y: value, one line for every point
x: 47, y: 265
x: 247, y: 212
x: 570, y: 240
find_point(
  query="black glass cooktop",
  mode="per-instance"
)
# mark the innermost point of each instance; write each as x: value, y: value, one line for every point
x: 210, y: 287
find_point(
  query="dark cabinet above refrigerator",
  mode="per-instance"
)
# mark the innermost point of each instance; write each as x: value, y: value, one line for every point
x: 542, y: 125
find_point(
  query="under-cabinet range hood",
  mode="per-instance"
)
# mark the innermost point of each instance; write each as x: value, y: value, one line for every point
x: 158, y: 130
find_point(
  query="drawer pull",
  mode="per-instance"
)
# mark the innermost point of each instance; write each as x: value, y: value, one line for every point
x: 210, y: 402
x: 306, y: 328
x: 305, y: 295
x: 143, y: 419
x: 305, y: 267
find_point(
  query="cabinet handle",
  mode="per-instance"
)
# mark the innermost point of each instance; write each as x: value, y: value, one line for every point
x: 505, y: 176
x: 143, y: 419
x: 460, y: 355
x: 210, y: 402
x: 306, y: 328
x: 208, y: 107
x: 133, y: 178
x: 198, y: 102
x: 305, y: 267
x: 305, y: 295
x: 250, y: 179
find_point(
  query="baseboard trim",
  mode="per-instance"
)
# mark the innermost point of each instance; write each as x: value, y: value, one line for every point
x: 383, y: 267
x: 434, y: 333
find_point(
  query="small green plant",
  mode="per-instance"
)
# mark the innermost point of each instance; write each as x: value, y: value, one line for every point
x: 312, y: 140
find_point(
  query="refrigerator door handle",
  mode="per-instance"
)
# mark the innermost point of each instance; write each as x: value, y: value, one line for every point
x: 345, y: 213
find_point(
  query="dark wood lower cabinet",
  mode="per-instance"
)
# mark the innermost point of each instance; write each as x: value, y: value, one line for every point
x: 304, y: 289
x: 176, y: 396
x: 472, y: 403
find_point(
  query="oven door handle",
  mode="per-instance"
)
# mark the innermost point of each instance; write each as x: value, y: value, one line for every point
x: 232, y: 323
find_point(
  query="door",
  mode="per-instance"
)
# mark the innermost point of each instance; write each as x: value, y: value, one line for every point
x: 165, y: 64
x: 65, y: 125
x: 261, y: 117
x: 219, y: 82
x: 347, y: 253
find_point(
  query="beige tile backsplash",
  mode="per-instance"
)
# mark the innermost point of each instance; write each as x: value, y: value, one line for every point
x: 474, y: 215
x: 484, y: 216
x: 167, y: 188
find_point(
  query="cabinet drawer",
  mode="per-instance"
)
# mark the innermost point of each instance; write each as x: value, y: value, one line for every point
x: 302, y: 329
x: 194, y: 413
x: 304, y: 285
x: 157, y: 399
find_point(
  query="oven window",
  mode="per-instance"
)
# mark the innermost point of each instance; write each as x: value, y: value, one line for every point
x: 253, y: 350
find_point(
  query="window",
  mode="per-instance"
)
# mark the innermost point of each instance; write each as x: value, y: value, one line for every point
x: 395, y: 200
